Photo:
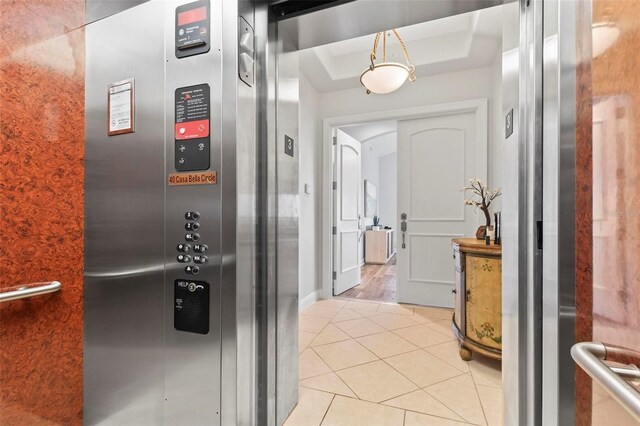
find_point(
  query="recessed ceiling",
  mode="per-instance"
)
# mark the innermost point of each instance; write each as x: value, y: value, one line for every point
x: 470, y: 40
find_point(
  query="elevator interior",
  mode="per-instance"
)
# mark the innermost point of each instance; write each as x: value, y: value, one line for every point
x: 191, y: 241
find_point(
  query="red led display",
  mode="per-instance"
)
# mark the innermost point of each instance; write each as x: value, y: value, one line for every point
x: 191, y: 16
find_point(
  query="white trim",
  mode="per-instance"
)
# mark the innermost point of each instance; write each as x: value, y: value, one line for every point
x: 308, y: 301
x: 478, y: 106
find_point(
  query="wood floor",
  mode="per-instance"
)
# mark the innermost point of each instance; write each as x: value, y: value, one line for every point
x: 378, y: 283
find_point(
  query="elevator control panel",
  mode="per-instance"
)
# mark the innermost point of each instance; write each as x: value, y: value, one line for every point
x: 191, y: 306
x: 192, y: 118
x: 193, y: 29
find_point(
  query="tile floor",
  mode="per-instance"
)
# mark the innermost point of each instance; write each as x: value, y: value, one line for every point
x: 375, y: 364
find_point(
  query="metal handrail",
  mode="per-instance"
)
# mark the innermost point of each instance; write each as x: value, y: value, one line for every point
x: 589, y: 356
x: 23, y: 292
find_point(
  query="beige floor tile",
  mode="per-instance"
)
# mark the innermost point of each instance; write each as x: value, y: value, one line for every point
x: 344, y: 354
x: 352, y: 412
x: 417, y: 419
x: 311, y: 408
x: 491, y: 400
x: 386, y: 344
x: 422, y: 402
x: 329, y: 382
x: 396, y: 309
x: 423, y: 336
x: 441, y: 326
x: 304, y: 338
x: 312, y: 324
x: 360, y: 327
x: 423, y: 368
x: 376, y: 381
x: 610, y: 413
x: 337, y: 303
x: 392, y: 321
x: 362, y: 306
x: 449, y: 353
x: 346, y: 315
x: 310, y: 364
x: 323, y: 311
x: 330, y: 334
x: 486, y: 371
x: 460, y: 395
x: 430, y: 312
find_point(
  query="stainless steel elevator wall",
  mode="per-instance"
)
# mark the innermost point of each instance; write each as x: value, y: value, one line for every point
x: 124, y: 291
x: 138, y: 368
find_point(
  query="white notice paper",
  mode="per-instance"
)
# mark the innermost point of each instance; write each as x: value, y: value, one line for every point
x: 120, y: 107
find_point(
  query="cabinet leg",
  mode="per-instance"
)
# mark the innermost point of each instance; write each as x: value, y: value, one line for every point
x: 465, y: 353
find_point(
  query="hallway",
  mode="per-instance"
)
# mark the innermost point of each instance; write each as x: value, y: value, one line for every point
x: 378, y: 283
x: 365, y: 363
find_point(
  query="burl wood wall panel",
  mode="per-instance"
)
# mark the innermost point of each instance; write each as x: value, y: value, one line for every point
x: 584, y: 208
x: 41, y: 209
x: 615, y: 86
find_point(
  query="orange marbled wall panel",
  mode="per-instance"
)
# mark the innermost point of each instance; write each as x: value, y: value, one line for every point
x: 615, y: 86
x: 41, y: 209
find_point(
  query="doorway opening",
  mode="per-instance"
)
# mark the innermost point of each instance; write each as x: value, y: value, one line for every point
x: 384, y: 338
x: 365, y: 172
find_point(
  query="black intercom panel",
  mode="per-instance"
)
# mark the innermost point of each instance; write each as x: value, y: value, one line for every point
x: 191, y: 306
x: 192, y: 119
x: 193, y: 29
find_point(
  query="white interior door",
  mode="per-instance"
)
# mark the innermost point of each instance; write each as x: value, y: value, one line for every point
x: 436, y: 157
x: 347, y: 220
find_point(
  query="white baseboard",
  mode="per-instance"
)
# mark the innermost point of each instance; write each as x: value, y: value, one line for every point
x: 308, y: 301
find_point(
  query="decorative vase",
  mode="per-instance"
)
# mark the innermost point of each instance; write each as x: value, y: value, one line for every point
x: 481, y: 232
x: 375, y: 228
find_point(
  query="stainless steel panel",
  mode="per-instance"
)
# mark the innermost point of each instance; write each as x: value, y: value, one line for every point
x: 99, y: 9
x: 193, y: 361
x: 514, y: 271
x: 124, y: 229
x: 266, y: 48
x: 559, y: 98
x: 364, y: 17
x: 238, y: 231
x: 287, y: 211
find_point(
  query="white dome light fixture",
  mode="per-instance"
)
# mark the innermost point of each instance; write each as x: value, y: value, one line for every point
x: 386, y: 77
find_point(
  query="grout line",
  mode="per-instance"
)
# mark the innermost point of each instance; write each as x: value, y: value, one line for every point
x: 450, y: 408
x: 327, y: 410
x: 475, y: 387
x: 459, y: 419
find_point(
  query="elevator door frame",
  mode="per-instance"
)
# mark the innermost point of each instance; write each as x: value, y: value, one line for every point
x: 521, y: 389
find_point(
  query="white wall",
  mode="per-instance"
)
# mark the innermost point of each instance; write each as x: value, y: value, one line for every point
x: 388, y: 190
x: 310, y: 223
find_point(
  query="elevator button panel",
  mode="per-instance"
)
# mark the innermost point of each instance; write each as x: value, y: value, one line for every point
x: 200, y: 248
x: 193, y: 29
x: 200, y: 259
x: 192, y: 236
x: 192, y: 226
x: 192, y: 270
x: 191, y: 306
x: 192, y: 119
x: 183, y: 248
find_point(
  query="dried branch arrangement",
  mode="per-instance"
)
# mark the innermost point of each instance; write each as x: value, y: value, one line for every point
x: 479, y: 189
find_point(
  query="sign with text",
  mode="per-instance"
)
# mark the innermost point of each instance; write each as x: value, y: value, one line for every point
x: 120, y: 107
x: 199, y: 178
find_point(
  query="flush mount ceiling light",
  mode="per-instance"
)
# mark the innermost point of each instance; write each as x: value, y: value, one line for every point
x: 385, y: 77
